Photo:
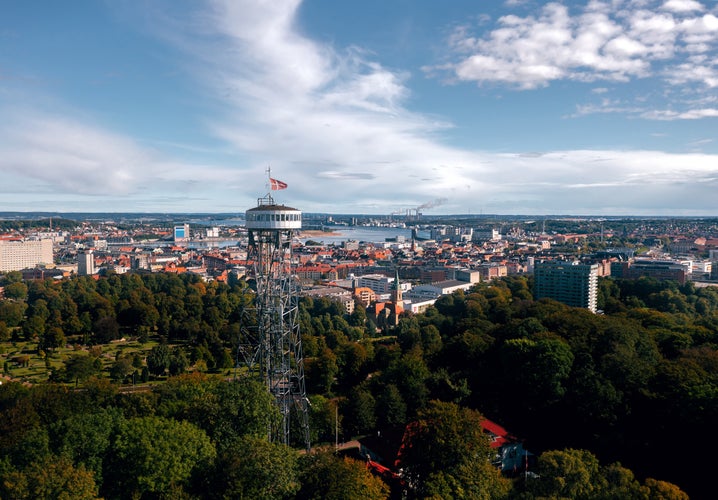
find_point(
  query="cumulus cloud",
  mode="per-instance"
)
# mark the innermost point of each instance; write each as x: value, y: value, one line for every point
x: 600, y: 41
x: 683, y: 6
x: 335, y: 125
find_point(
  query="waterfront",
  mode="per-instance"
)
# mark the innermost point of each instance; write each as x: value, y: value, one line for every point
x: 340, y: 234
x: 335, y: 235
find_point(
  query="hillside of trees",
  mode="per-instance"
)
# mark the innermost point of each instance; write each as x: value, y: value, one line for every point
x: 615, y: 405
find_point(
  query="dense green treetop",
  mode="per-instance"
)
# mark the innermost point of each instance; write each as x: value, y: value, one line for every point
x: 622, y: 385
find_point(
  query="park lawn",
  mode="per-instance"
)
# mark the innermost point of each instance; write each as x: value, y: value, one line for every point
x: 38, y: 368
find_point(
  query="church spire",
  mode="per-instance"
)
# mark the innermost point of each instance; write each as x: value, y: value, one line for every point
x: 396, y: 294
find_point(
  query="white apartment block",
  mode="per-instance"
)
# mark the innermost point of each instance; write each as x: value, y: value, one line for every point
x: 380, y: 284
x: 436, y: 289
x: 85, y: 263
x: 19, y: 255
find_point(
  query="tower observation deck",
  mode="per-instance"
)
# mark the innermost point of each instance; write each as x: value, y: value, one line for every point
x: 272, y: 350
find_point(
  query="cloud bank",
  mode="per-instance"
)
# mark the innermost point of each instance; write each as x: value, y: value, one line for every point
x: 337, y: 125
x: 674, y: 42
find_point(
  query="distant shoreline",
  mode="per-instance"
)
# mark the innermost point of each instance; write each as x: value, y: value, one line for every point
x: 309, y: 233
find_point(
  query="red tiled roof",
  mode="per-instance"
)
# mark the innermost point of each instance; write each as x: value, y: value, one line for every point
x: 500, y: 435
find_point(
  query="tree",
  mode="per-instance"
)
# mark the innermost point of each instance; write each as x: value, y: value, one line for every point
x: 225, y: 410
x: 253, y: 468
x: 53, y: 478
x: 106, y: 329
x: 621, y: 483
x: 321, y: 371
x: 358, y: 316
x: 323, y: 419
x: 178, y: 362
x: 409, y: 373
x: 244, y: 407
x: 352, y: 359
x: 53, y: 338
x: 326, y: 476
x: 158, y: 359
x: 662, y: 490
x: 80, y: 367
x: 537, y: 371
x: 445, y: 450
x: 33, y: 327
x: 568, y: 474
x: 223, y: 359
x: 32, y: 446
x: 12, y: 313
x: 85, y: 438
x: 4, y: 332
x: 472, y: 480
x: 430, y: 340
x: 121, y: 368
x: 390, y: 406
x: 153, y: 454
x: 13, y: 277
x: 16, y: 291
x: 359, y: 412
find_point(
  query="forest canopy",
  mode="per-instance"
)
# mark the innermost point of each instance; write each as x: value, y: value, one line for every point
x: 605, y: 396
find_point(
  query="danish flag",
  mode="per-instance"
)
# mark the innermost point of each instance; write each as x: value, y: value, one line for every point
x: 277, y: 185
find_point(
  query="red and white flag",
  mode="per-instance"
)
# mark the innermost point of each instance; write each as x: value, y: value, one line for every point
x: 277, y: 185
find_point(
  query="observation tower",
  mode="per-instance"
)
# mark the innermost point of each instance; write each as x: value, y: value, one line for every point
x: 272, y: 349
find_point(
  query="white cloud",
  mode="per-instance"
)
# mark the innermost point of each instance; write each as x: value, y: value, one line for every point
x: 515, y: 3
x: 693, y: 114
x: 683, y: 6
x: 71, y: 155
x: 64, y: 160
x: 701, y: 142
x: 317, y: 115
x: 609, y: 41
x: 335, y: 124
x: 344, y: 137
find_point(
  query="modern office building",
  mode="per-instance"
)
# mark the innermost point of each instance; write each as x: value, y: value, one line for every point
x: 662, y: 270
x: 17, y: 255
x: 572, y: 283
x: 181, y: 233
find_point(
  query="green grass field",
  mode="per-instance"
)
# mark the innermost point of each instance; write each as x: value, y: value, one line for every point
x: 40, y: 365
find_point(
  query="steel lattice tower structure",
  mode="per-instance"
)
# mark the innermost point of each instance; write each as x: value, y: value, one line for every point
x: 272, y: 350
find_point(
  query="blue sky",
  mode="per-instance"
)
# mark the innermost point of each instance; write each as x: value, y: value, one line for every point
x: 605, y: 107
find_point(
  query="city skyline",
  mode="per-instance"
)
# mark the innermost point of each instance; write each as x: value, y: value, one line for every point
x: 515, y: 107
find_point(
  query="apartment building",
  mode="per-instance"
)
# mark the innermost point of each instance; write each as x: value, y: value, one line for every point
x: 16, y: 255
x: 572, y: 283
x: 85, y: 263
x: 380, y: 284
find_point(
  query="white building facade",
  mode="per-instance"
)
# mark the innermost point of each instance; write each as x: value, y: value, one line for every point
x: 19, y: 255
